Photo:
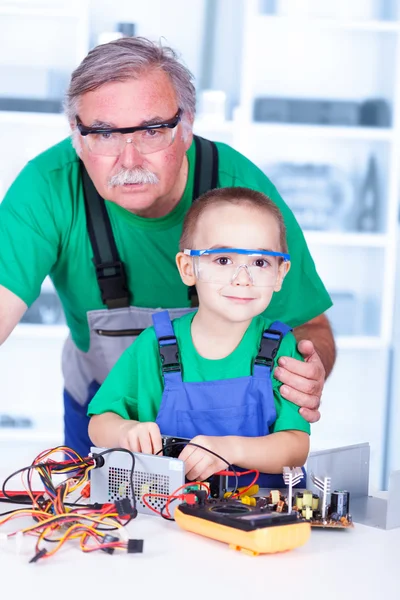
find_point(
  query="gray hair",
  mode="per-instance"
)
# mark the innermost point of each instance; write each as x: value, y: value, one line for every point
x: 124, y: 58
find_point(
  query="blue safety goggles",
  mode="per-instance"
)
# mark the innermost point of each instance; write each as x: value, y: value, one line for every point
x: 282, y: 255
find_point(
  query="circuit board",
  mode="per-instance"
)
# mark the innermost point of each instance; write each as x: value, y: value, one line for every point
x: 309, y: 507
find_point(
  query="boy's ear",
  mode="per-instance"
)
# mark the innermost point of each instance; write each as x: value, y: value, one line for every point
x: 282, y: 272
x: 185, y: 268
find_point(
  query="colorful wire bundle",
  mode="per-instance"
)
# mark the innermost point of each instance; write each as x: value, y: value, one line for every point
x: 57, y: 520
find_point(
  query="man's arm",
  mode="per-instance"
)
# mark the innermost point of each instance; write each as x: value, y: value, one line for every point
x: 304, y: 381
x: 12, y: 309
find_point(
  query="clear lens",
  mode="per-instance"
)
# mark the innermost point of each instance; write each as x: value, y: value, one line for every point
x: 260, y: 270
x: 146, y: 141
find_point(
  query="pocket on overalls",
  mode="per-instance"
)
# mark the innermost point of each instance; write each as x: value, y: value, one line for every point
x: 236, y: 420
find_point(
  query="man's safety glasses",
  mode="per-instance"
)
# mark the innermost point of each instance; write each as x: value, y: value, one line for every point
x: 106, y: 141
x: 224, y: 265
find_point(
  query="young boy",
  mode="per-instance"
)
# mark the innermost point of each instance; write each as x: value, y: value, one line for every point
x: 208, y: 375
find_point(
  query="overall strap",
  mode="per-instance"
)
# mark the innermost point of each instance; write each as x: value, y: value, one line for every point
x: 205, y: 179
x: 167, y: 343
x: 110, y: 271
x: 269, y: 346
x: 206, y: 169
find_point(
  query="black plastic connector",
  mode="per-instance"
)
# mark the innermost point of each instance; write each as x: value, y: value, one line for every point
x: 109, y: 539
x: 135, y: 546
x: 201, y: 497
x: 98, y: 460
x: 124, y: 508
x: 41, y: 553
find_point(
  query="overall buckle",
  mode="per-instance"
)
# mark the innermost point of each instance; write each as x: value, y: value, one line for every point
x: 268, y: 348
x: 169, y: 354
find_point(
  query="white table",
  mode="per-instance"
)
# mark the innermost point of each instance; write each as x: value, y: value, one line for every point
x: 361, y: 564
x: 358, y: 564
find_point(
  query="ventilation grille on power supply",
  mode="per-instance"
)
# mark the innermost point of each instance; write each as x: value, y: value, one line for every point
x: 119, y: 486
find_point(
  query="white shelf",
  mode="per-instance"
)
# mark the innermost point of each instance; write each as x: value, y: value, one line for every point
x: 33, y: 118
x: 360, y: 342
x: 330, y: 238
x: 31, y: 11
x: 26, y: 330
x: 319, y: 131
x: 367, y: 25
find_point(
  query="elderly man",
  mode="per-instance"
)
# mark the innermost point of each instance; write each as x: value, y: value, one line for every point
x: 103, y: 217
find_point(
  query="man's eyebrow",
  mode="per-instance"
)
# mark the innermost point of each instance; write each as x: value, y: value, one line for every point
x: 154, y: 121
x: 103, y: 124
x: 108, y: 125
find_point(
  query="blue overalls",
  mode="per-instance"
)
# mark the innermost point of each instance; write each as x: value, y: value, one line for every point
x: 242, y: 406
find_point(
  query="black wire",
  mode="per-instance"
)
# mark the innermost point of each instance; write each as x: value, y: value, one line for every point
x: 231, y: 468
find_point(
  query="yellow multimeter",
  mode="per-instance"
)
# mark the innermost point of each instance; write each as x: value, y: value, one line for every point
x: 251, y: 529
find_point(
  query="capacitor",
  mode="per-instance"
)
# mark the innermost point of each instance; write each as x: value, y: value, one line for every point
x: 307, y: 512
x: 340, y: 502
x: 315, y: 501
x: 299, y: 500
x: 307, y: 498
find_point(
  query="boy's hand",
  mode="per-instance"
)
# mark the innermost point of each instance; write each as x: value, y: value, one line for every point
x: 200, y: 464
x: 140, y: 437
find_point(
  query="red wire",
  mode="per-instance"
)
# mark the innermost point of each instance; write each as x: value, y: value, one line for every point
x: 239, y: 474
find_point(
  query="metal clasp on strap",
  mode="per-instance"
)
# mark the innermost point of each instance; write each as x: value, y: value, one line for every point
x: 169, y: 354
x: 112, y: 282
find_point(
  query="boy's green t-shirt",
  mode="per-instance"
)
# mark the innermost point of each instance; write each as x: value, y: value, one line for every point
x: 134, y: 387
x: 43, y: 231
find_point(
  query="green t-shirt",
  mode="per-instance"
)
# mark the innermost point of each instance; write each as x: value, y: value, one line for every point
x: 134, y: 386
x: 43, y: 232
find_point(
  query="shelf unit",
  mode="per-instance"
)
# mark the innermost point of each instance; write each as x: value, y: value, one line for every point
x: 332, y: 24
x: 326, y: 58
x: 56, y: 36
x: 56, y: 39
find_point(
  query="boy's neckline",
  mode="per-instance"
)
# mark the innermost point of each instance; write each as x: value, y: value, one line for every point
x: 230, y: 355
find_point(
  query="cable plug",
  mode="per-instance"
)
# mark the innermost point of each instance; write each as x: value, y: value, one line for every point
x: 125, y: 508
x: 201, y: 496
x: 85, y: 493
x: 41, y: 553
x: 135, y: 546
x: 190, y: 498
x: 19, y: 542
x: 109, y: 539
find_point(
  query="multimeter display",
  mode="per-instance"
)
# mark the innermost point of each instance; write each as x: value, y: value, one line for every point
x: 238, y: 516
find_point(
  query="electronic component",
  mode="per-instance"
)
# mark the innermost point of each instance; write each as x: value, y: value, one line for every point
x: 173, y: 446
x: 312, y: 507
x: 152, y: 475
x: 251, y: 529
x: 340, y: 503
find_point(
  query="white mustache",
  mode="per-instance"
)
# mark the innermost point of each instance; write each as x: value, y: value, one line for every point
x: 136, y: 175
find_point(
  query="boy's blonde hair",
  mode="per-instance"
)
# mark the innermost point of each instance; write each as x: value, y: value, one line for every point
x: 230, y: 195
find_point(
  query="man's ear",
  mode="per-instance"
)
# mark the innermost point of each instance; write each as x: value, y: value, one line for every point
x: 185, y: 268
x: 282, y: 272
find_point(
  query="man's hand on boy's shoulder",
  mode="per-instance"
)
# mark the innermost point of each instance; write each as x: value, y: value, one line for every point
x: 304, y: 380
